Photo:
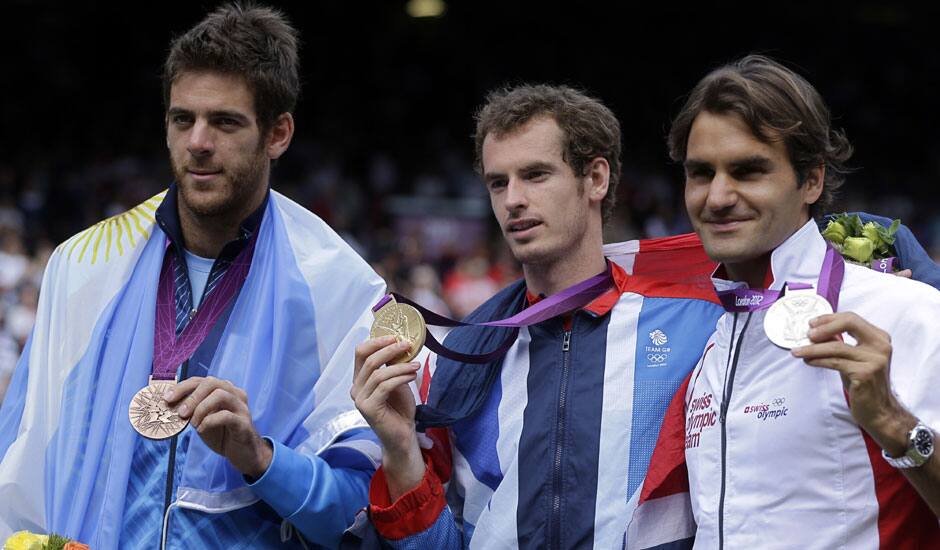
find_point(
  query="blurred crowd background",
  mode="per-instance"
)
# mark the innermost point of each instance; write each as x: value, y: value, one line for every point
x: 383, y: 149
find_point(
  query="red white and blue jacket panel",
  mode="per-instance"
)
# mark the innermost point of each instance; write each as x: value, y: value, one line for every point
x: 550, y: 443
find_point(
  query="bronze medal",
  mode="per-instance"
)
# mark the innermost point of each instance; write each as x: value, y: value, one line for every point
x: 150, y: 416
x: 402, y: 321
x: 787, y: 321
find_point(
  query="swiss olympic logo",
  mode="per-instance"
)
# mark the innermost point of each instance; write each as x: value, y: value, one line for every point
x: 768, y: 411
x: 658, y: 337
x: 656, y: 357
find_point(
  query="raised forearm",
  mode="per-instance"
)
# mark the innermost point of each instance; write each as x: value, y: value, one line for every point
x: 404, y: 467
x: 891, y: 432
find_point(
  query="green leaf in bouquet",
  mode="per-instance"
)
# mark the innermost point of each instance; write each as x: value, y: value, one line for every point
x: 56, y: 542
x: 888, y: 233
x: 853, y: 225
x: 882, y: 236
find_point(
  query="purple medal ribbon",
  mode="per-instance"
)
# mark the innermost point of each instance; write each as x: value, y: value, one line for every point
x: 571, y: 298
x: 884, y: 265
x: 170, y: 350
x: 739, y: 300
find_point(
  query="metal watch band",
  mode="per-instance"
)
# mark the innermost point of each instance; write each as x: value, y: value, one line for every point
x: 912, y: 458
x: 902, y: 462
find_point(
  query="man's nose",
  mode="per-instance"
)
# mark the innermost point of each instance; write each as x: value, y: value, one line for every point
x: 722, y: 192
x: 200, y: 140
x: 516, y: 194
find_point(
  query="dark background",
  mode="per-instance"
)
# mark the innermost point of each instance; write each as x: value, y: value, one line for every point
x: 383, y: 150
x: 81, y: 83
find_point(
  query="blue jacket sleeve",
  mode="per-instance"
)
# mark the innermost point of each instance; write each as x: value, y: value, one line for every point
x: 318, y: 495
x: 443, y: 535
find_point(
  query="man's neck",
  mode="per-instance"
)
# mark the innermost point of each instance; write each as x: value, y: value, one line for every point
x: 205, y: 236
x: 553, y: 277
x: 753, y: 272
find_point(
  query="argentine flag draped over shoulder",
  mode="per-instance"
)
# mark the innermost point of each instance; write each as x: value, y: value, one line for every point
x: 65, y: 439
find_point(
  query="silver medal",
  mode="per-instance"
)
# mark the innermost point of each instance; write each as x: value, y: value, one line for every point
x: 787, y: 321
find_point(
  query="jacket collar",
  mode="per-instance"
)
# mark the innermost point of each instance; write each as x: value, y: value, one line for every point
x: 600, y: 306
x: 797, y: 259
x: 167, y: 216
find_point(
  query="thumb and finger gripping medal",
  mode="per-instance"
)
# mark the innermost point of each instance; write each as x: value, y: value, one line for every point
x: 150, y: 415
x: 402, y: 321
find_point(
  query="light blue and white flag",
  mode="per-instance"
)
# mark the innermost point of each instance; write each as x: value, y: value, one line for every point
x: 65, y: 439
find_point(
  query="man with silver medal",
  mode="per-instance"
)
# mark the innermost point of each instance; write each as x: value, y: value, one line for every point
x: 821, y: 375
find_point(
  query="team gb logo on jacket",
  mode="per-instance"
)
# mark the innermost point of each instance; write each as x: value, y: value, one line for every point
x: 657, y: 354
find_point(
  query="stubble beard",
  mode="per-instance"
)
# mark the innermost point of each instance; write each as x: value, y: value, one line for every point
x: 240, y: 183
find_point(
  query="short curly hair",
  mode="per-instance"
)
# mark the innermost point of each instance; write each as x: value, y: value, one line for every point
x: 589, y: 129
x: 776, y: 103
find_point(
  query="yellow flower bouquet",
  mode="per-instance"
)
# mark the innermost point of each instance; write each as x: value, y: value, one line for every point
x: 24, y: 540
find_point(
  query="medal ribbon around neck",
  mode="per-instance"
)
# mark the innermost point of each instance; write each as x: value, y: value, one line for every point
x: 739, y: 300
x: 569, y: 299
x: 148, y: 412
x: 170, y: 350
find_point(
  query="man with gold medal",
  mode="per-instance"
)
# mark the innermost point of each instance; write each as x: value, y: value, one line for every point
x: 186, y: 385
x: 544, y: 404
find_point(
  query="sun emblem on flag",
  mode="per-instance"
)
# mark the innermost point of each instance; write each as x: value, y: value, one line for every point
x: 114, y: 233
x: 658, y: 337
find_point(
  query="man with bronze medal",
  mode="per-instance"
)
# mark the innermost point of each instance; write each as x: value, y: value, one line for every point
x: 187, y: 381
x: 810, y: 421
x: 529, y: 417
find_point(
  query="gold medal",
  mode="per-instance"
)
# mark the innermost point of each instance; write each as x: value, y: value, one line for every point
x: 403, y: 322
x: 150, y: 416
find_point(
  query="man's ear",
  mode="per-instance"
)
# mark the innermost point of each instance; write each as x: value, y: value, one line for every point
x: 598, y: 179
x: 278, y: 138
x: 813, y: 184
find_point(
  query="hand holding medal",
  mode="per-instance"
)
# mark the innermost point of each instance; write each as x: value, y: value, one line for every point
x: 382, y: 394
x: 149, y: 413
x: 402, y: 321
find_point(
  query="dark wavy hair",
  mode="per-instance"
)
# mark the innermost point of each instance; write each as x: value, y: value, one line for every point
x: 777, y: 104
x: 589, y: 129
x: 254, y: 42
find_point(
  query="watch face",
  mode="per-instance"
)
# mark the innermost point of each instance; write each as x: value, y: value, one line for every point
x: 923, y: 442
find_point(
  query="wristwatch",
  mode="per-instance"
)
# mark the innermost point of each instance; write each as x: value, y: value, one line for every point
x: 919, y: 449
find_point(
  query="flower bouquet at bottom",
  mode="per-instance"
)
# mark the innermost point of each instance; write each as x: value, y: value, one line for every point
x: 869, y: 244
x: 24, y: 540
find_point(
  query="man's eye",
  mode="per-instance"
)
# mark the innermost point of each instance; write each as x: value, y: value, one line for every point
x: 748, y: 173
x: 180, y: 120
x: 699, y: 174
x: 496, y: 184
x: 537, y: 175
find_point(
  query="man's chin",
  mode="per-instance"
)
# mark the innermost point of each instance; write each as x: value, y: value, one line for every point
x: 530, y: 254
x: 205, y: 204
x: 725, y: 254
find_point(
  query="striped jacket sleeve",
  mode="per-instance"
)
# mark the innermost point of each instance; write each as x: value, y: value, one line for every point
x: 420, y: 518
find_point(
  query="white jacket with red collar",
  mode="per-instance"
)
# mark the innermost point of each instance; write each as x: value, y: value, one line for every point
x: 775, y: 459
